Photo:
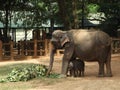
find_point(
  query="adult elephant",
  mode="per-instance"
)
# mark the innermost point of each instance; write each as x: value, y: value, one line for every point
x: 88, y: 45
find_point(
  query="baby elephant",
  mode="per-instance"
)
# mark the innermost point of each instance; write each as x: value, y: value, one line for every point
x: 76, y: 68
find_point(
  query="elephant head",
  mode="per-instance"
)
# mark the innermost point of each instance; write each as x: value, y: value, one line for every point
x: 59, y: 38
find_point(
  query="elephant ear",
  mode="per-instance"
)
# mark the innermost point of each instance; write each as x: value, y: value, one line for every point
x: 64, y: 39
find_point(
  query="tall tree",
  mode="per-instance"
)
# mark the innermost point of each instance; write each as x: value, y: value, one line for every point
x: 111, y: 22
x: 75, y: 14
x: 63, y: 12
x: 6, y: 6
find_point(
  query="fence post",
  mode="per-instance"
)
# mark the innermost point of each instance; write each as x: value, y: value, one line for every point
x: 1, y: 50
x: 50, y: 47
x: 35, y: 48
x: 19, y: 44
x: 11, y: 50
x: 22, y: 48
x: 46, y: 47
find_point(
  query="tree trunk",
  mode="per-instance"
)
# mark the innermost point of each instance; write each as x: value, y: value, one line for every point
x: 52, y: 23
x: 63, y: 9
x: 82, y: 22
x: 6, y: 21
x: 75, y: 16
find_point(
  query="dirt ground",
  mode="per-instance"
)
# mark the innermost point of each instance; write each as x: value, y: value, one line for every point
x: 89, y: 82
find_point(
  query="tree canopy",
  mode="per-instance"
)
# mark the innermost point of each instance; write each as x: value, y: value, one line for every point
x: 69, y: 13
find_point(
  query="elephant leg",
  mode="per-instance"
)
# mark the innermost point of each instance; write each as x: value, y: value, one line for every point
x: 64, y: 66
x: 108, y: 69
x: 70, y: 73
x: 74, y: 73
x: 68, y: 55
x: 82, y: 73
x: 108, y: 66
x: 101, y: 69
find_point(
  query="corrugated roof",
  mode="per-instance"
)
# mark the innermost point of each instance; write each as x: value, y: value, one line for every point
x: 19, y: 25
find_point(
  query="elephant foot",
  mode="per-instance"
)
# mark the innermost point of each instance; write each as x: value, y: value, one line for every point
x: 82, y: 75
x: 101, y: 75
x: 108, y: 75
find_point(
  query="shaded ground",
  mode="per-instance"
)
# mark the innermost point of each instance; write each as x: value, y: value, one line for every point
x: 89, y: 82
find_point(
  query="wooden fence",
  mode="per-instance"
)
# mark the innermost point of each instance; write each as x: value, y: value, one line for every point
x: 33, y: 47
x: 115, y: 45
x: 37, y: 48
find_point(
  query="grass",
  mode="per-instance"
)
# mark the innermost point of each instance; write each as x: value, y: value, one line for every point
x: 4, y: 70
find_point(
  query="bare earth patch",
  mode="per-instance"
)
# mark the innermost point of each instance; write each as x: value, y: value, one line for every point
x: 89, y: 82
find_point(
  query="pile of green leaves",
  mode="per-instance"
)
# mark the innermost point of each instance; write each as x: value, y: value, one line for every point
x: 28, y: 73
x: 25, y: 74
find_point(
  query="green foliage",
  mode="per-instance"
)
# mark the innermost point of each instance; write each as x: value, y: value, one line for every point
x: 28, y: 73
x: 25, y: 74
x: 54, y: 75
x: 93, y: 8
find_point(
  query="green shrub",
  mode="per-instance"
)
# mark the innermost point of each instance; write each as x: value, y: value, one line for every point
x: 28, y: 73
x: 25, y: 74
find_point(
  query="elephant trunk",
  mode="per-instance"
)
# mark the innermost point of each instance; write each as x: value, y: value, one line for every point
x: 52, y: 51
